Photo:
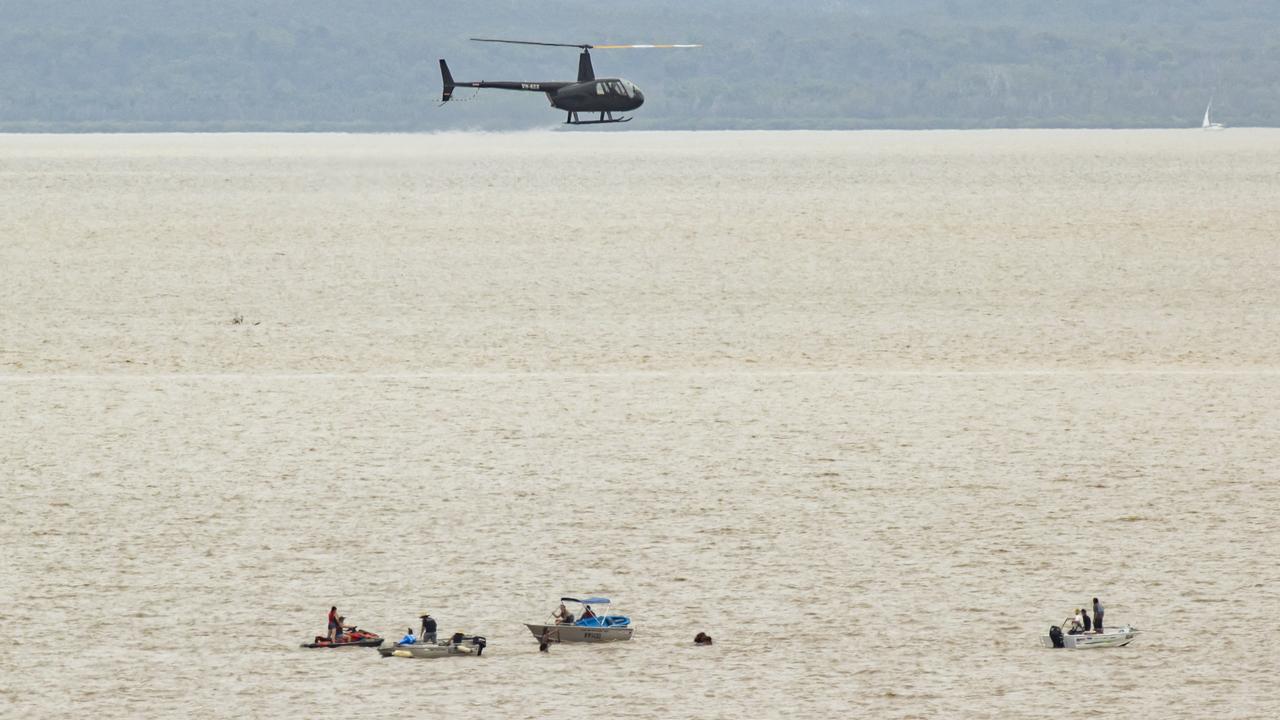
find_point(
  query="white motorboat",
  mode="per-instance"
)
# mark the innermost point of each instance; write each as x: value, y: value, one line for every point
x: 588, y: 626
x: 1117, y: 637
x: 458, y: 645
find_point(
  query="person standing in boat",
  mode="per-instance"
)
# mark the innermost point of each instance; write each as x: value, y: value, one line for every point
x: 334, y: 629
x: 562, y: 616
x: 1097, y: 615
x: 1085, y: 615
x: 428, y: 628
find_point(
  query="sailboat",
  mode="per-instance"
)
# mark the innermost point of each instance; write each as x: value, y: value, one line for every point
x: 1209, y: 124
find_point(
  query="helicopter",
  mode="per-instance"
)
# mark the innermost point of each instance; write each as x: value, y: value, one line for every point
x: 587, y: 94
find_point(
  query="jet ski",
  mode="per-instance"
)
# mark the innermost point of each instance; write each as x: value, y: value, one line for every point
x: 353, y: 637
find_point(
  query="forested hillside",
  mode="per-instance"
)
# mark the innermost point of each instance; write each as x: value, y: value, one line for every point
x: 345, y: 65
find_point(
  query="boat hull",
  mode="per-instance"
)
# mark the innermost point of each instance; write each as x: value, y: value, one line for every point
x: 1084, y: 641
x: 426, y: 652
x: 580, y: 633
x: 365, y: 642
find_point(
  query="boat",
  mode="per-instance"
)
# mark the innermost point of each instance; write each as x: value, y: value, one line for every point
x: 351, y: 638
x: 1118, y: 637
x: 590, y: 625
x: 458, y: 645
x: 1208, y: 123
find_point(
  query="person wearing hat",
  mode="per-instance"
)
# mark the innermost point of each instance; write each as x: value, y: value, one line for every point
x: 428, y: 634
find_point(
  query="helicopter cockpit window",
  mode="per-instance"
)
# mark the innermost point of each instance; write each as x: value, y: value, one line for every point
x: 617, y: 88
x: 599, y: 88
x: 631, y: 89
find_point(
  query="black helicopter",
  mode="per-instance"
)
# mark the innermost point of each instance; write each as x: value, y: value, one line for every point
x: 587, y: 94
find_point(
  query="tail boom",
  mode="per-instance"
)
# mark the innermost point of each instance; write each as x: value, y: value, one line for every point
x: 450, y: 84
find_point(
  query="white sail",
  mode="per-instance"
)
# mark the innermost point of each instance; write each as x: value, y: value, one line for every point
x: 1208, y: 123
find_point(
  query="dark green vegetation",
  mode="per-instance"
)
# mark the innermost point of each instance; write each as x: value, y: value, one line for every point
x: 347, y: 65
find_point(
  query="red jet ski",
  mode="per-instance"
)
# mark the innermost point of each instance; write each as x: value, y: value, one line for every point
x: 352, y: 637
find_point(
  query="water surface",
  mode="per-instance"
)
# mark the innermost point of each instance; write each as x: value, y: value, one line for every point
x: 872, y: 409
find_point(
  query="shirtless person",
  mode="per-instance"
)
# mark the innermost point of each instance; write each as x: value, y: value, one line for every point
x: 562, y: 615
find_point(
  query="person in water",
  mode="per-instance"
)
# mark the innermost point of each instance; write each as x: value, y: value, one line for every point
x: 702, y: 639
x: 1097, y: 615
x: 334, y: 629
x: 428, y: 628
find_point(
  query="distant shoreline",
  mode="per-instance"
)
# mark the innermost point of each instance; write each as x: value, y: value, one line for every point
x: 168, y: 129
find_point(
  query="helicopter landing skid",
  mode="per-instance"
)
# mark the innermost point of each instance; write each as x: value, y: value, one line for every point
x: 605, y: 119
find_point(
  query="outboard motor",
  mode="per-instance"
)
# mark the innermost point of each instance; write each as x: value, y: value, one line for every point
x: 1055, y: 634
x: 479, y: 644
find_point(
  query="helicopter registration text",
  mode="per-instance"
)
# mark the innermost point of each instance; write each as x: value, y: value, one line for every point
x: 530, y: 86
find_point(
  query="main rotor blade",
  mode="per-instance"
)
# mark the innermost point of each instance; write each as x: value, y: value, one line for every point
x: 531, y: 42
x: 614, y: 47
x: 584, y: 46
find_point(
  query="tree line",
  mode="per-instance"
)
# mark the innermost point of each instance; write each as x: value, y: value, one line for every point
x: 341, y: 65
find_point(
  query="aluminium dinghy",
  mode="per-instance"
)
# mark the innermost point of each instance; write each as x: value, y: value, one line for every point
x: 1111, y: 637
x: 456, y: 646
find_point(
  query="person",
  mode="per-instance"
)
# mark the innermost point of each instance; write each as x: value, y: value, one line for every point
x: 1085, y: 614
x: 587, y: 612
x: 562, y: 615
x: 334, y: 630
x: 342, y: 628
x: 702, y: 639
x: 428, y: 628
x: 408, y: 638
x: 1097, y: 616
x: 1073, y: 624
